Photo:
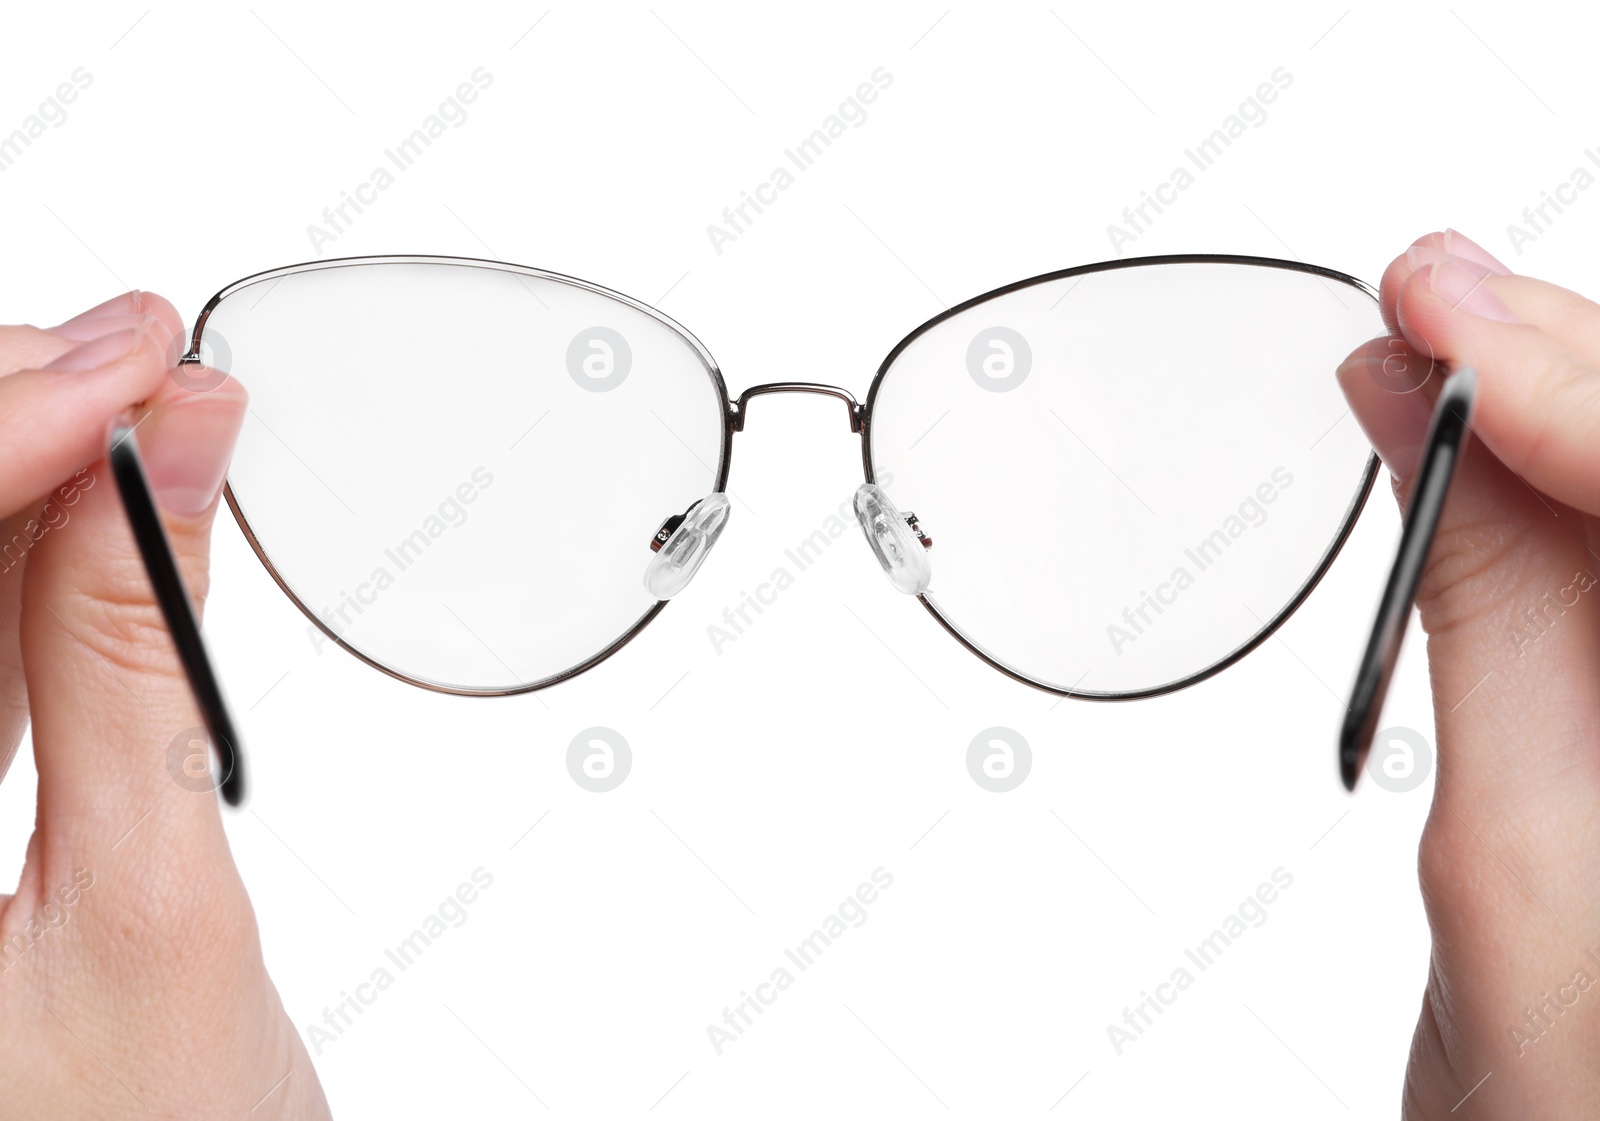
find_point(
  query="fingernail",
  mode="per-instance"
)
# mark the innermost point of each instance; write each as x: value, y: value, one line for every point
x: 83, y: 330
x: 1421, y: 256
x: 1458, y: 244
x: 1466, y: 291
x: 129, y: 303
x: 101, y: 351
x: 186, y: 446
x: 116, y: 314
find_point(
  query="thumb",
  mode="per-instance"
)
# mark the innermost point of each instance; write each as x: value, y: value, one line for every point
x: 1508, y: 597
x: 1510, y: 601
x: 112, y: 712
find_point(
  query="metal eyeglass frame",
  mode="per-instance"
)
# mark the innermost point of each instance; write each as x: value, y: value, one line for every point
x: 1441, y: 452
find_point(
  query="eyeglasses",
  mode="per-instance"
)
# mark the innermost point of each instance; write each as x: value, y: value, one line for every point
x: 484, y: 479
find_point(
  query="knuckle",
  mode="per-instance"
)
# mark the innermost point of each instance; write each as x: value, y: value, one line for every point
x: 1468, y: 570
x: 1451, y: 871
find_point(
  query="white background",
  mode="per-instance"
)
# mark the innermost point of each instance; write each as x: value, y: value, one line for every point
x: 770, y: 780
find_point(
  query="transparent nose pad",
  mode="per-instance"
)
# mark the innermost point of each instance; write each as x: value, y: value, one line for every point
x: 683, y: 543
x: 896, y: 539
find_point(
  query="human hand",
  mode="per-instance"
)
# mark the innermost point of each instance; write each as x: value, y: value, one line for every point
x: 1510, y: 856
x: 131, y: 975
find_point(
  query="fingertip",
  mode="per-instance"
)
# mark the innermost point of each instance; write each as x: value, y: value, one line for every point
x: 125, y: 310
x: 125, y: 303
x: 1420, y: 316
x: 186, y: 442
x: 1445, y: 306
x: 1392, y: 283
x: 109, y: 374
x: 104, y: 352
x: 1431, y: 248
x: 1390, y: 388
x: 150, y: 303
x: 1458, y: 244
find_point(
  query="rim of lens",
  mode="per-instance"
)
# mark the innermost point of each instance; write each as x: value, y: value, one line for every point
x: 1352, y: 512
x: 710, y: 363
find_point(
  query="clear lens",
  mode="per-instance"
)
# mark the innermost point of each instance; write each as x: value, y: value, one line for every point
x: 459, y: 467
x: 1128, y: 474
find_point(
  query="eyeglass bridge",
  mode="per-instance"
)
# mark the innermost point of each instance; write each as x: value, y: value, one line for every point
x: 739, y: 407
